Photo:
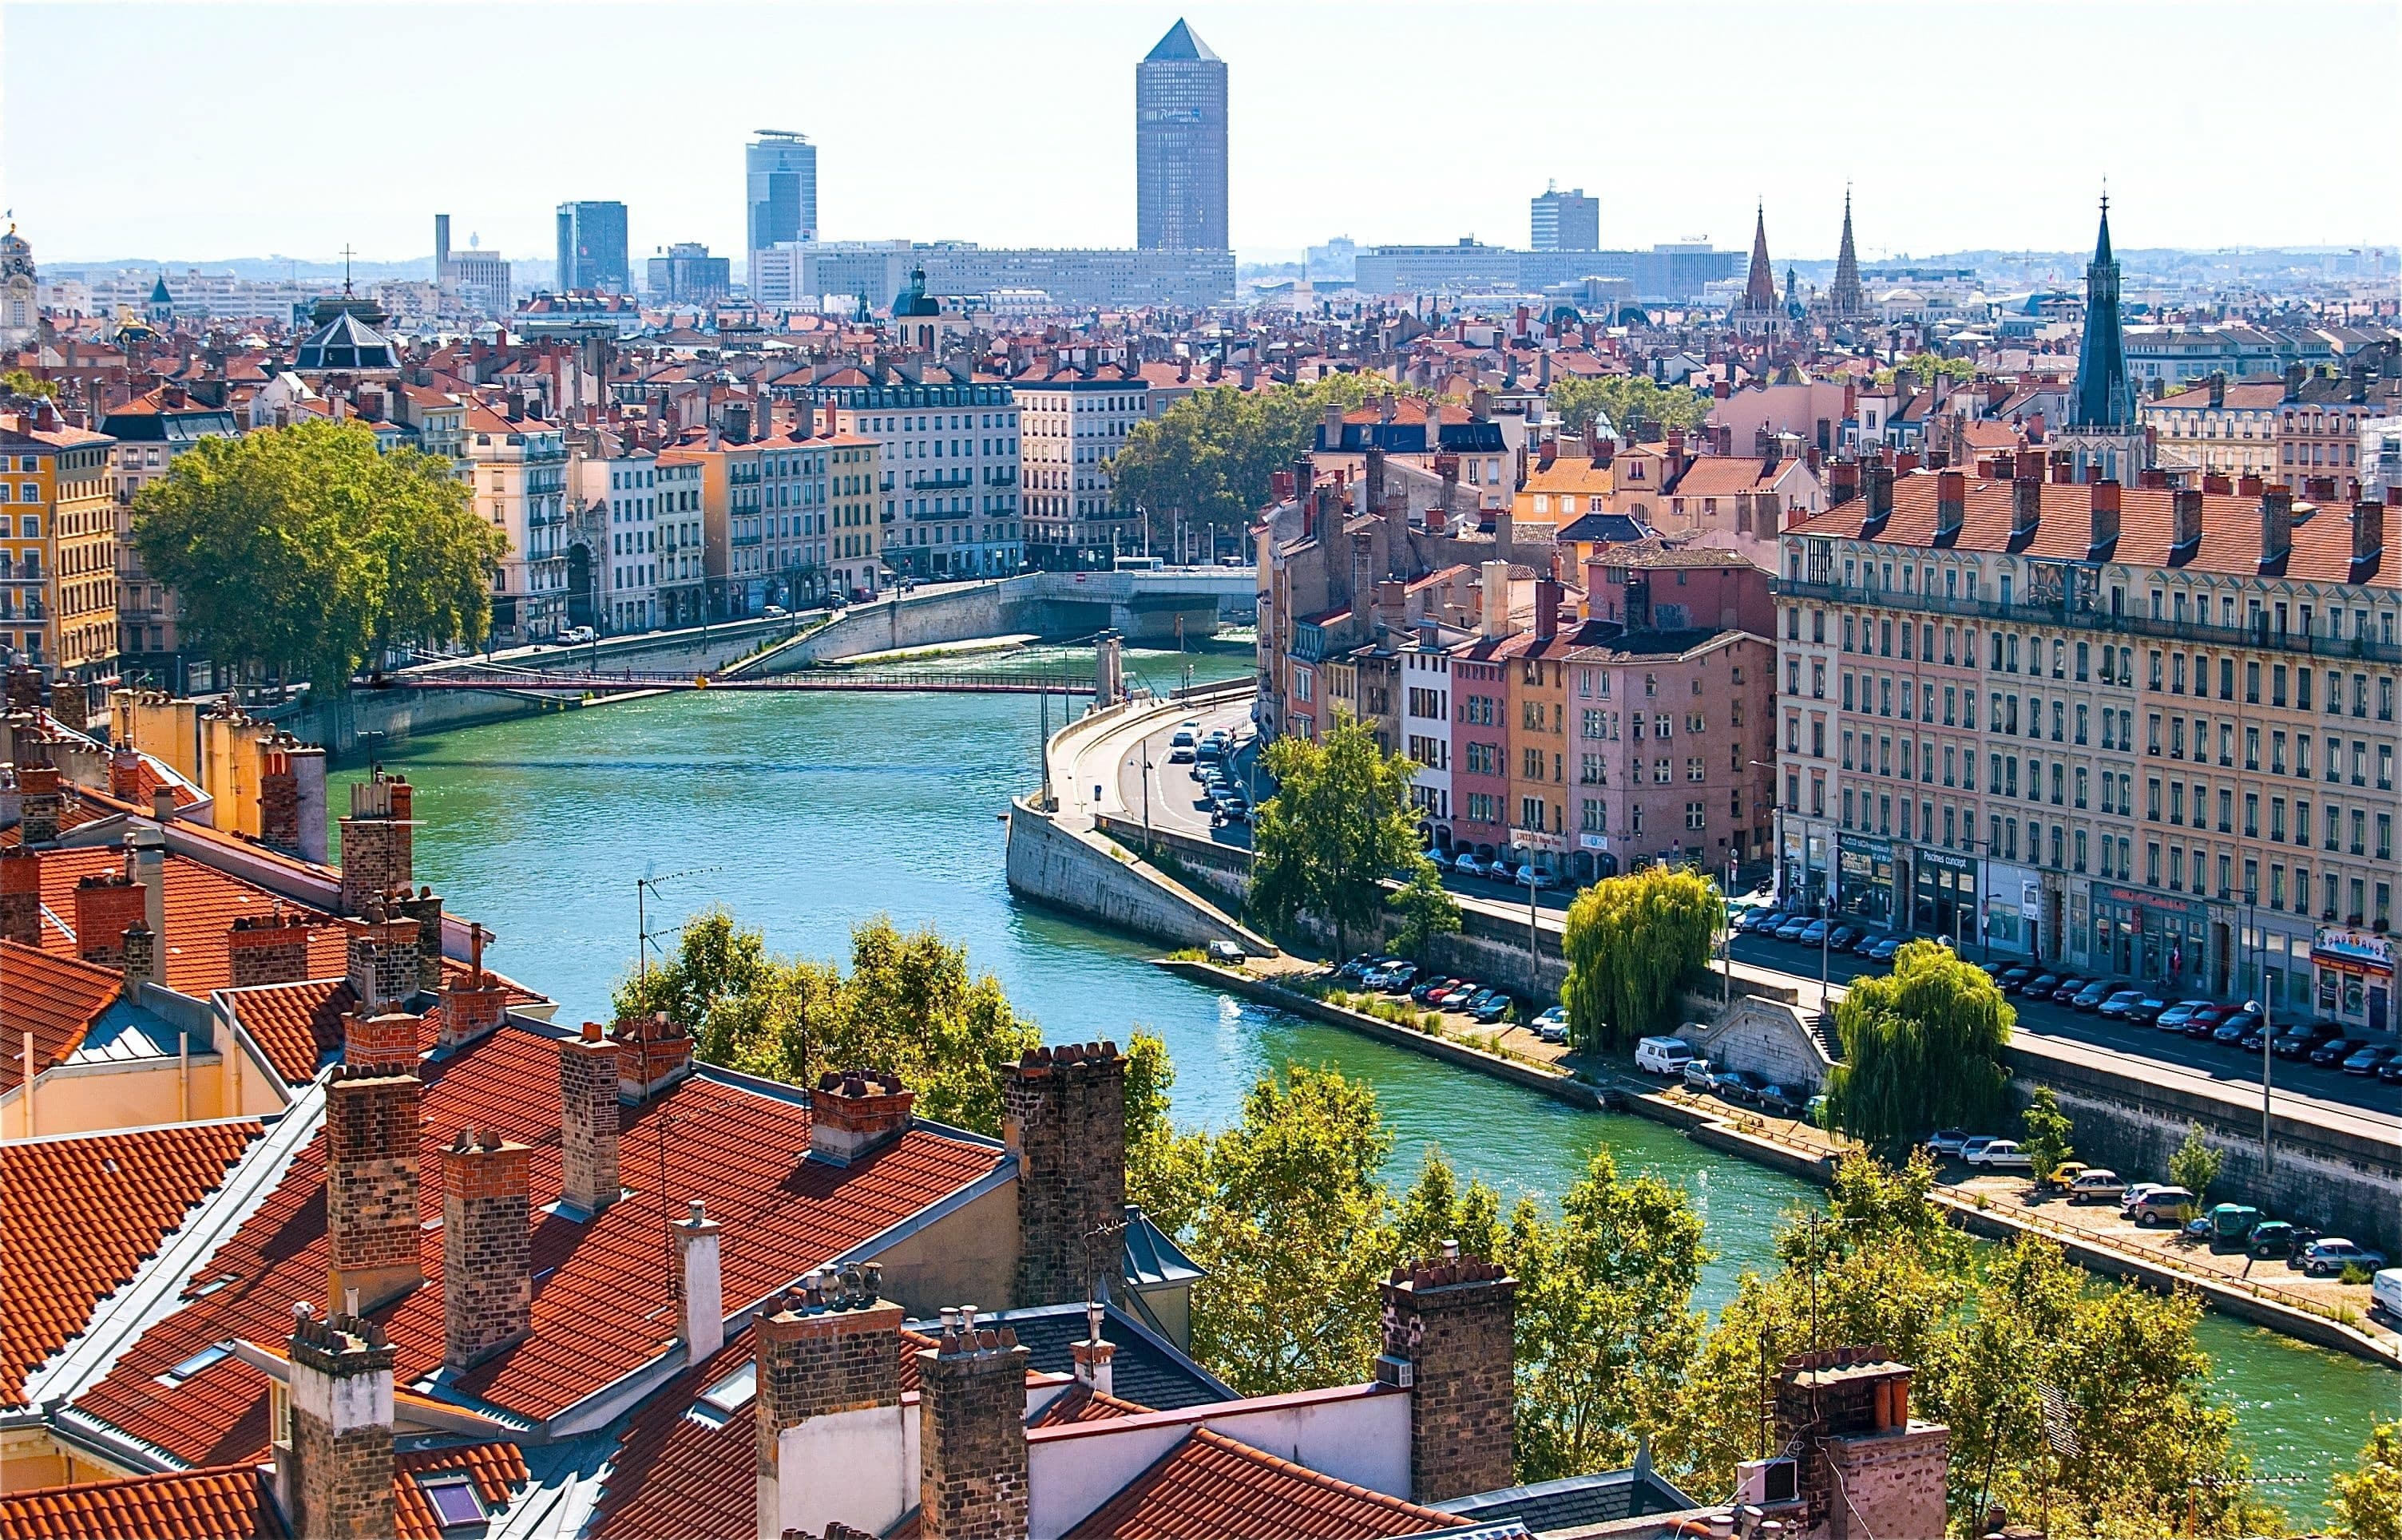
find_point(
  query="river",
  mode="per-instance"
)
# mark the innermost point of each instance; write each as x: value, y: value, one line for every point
x: 804, y: 814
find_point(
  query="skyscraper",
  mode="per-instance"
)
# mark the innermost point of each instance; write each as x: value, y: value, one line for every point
x: 1179, y: 145
x: 592, y: 248
x: 1564, y: 222
x: 779, y: 174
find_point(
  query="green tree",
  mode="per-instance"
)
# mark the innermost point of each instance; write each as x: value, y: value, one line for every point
x: 2367, y: 1502
x: 24, y: 385
x: 309, y: 552
x: 1339, y: 824
x: 1294, y: 1232
x: 1926, y: 367
x: 1922, y: 1048
x: 2195, y: 1165
x: 1427, y: 908
x: 2048, y: 1134
x: 1634, y: 405
x: 1167, y: 1170
x: 1633, y: 942
x: 909, y: 1005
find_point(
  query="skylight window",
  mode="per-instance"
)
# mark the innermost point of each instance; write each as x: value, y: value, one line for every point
x: 456, y: 1503
x: 195, y: 1363
x: 733, y: 1393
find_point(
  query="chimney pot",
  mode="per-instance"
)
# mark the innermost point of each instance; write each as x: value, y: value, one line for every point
x: 589, y: 1121
x: 1066, y: 1123
x: 487, y: 1256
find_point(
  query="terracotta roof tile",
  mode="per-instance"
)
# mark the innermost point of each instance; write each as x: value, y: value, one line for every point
x: 201, y: 904
x: 54, y: 998
x: 222, y: 1503
x: 743, y: 1151
x: 78, y: 1216
x: 1082, y: 1404
x: 497, y: 1468
x: 1211, y: 1487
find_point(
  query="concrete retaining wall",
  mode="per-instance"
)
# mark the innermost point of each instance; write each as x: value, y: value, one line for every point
x: 903, y: 621
x: 1087, y: 875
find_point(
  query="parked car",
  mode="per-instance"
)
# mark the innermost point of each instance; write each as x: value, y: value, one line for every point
x: 1885, y: 949
x: 1815, y: 933
x: 2230, y: 1224
x: 1398, y: 976
x: 2120, y: 1006
x: 2041, y: 987
x: 2094, y: 1186
x: 2296, y: 1040
x: 1814, y: 1111
x: 2160, y: 1206
x: 2336, y: 1049
x: 2390, y: 1072
x: 1700, y: 1075
x: 2255, y: 1038
x: 1791, y: 929
x: 1662, y: 1055
x: 2332, y: 1256
x: 1497, y: 1005
x: 1467, y: 865
x: 2067, y: 990
x: 2135, y: 1194
x: 1432, y: 988
x: 1843, y: 937
x: 2090, y: 999
x: 2368, y: 1060
x: 2014, y: 977
x: 1226, y: 955
x: 1741, y: 1085
x: 1531, y: 876
x: 2147, y: 1011
x: 1946, y: 1141
x: 2175, y: 1016
x: 2235, y: 1028
x: 1970, y: 1147
x: 1499, y: 869
x: 1552, y: 1026
x: 2003, y: 1155
x: 2273, y: 1240
x: 1867, y: 943
x: 1776, y: 1101
x: 1459, y: 994
x: 1749, y: 920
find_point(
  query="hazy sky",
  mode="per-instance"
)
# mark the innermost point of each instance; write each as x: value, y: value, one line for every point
x: 190, y: 131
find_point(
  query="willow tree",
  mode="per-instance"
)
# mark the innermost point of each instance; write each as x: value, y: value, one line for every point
x: 1338, y: 826
x: 1922, y: 1048
x: 1633, y: 944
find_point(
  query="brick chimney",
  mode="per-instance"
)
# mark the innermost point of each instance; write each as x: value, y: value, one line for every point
x: 856, y: 1113
x: 473, y: 1007
x: 425, y: 908
x: 21, y: 895
x: 2026, y: 510
x: 972, y: 1482
x: 487, y: 1260
x: 106, y: 904
x: 1448, y: 1333
x: 1864, y: 1467
x: 653, y: 1055
x: 2185, y: 522
x: 2367, y: 548
x: 382, y: 955
x: 702, y: 1300
x: 267, y: 949
x: 587, y: 1128
x: 333, y: 1458
x: 1547, y: 608
x: 2103, y: 496
x: 1880, y: 495
x: 2249, y: 484
x: 385, y: 1042
x: 1093, y: 1354
x: 125, y: 776
x: 1363, y: 575
x: 1951, y: 505
x: 2276, y: 529
x: 378, y: 841
x: 1064, y: 1118
x: 371, y: 1159
x: 827, y: 1403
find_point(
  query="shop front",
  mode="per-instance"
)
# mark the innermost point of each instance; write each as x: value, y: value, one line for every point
x: 1864, y: 885
x: 2013, y: 896
x: 1801, y: 866
x: 2356, y: 977
x: 2153, y: 937
x: 1945, y: 901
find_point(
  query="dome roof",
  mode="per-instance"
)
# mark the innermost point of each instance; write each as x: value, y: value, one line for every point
x: 345, y: 343
x: 913, y: 300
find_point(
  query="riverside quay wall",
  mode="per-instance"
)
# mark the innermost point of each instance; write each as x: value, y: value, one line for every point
x: 1091, y: 876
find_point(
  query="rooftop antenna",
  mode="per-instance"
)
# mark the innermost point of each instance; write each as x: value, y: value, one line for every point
x: 646, y: 939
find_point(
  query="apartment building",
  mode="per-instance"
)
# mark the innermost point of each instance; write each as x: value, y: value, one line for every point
x: 2222, y: 425
x: 1075, y: 424
x: 519, y: 476
x: 623, y: 486
x: 730, y: 517
x: 781, y: 562
x: 851, y: 550
x: 2141, y: 732
x: 58, y: 545
x: 948, y: 456
x: 151, y: 431
x: 682, y: 576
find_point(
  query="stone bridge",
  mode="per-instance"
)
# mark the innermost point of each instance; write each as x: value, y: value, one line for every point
x: 1157, y: 608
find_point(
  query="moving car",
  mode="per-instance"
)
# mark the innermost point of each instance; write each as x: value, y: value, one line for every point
x: 2326, y: 1259
x: 2160, y: 1206
x: 1664, y: 1055
x: 1180, y: 754
x: 1552, y: 1024
x: 1183, y: 738
x: 2002, y: 1155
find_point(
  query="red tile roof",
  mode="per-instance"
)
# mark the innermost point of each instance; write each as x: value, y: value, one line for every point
x: 201, y: 904
x: 1211, y: 1487
x: 2231, y: 529
x: 55, y: 999
x: 221, y: 1503
x: 81, y: 1216
x: 497, y: 1468
x: 1080, y: 1404
x: 744, y: 1152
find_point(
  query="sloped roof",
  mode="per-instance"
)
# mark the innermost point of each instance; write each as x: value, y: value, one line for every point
x: 79, y: 1215
x: 1208, y: 1486
x: 55, y: 998
x: 1180, y: 45
x: 220, y: 1502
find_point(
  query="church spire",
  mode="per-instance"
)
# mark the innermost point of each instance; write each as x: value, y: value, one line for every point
x: 1845, y: 294
x: 2104, y: 396
x: 1759, y: 289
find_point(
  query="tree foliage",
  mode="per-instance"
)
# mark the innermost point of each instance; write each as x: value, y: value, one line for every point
x: 2367, y: 1502
x: 24, y: 385
x: 1339, y: 824
x: 1631, y: 406
x: 1209, y: 457
x: 1922, y: 1048
x: 907, y: 1005
x: 1926, y: 367
x: 2195, y: 1165
x: 306, y: 550
x: 1633, y: 942
x: 1427, y: 908
x: 2048, y: 1134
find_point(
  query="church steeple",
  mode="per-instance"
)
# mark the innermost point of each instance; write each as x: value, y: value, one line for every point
x: 1759, y: 288
x: 1846, y: 296
x: 2104, y: 396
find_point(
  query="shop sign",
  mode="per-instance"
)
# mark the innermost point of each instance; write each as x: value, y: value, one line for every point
x: 1945, y: 861
x: 1594, y: 841
x: 2355, y: 951
x: 2031, y: 900
x: 1860, y: 845
x: 2159, y: 903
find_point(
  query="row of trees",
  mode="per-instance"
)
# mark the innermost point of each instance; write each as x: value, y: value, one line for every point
x: 309, y: 552
x: 1632, y: 406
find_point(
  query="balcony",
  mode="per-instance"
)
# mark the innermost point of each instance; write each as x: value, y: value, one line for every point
x: 943, y: 482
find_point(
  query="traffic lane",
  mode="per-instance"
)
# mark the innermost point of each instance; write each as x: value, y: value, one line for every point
x: 2215, y: 1060
x: 1175, y: 791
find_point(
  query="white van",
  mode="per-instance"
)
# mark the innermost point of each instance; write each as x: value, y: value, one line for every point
x: 1662, y: 1055
x: 2386, y: 1293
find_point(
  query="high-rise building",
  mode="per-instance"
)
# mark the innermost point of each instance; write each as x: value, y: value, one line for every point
x: 592, y: 248
x: 686, y: 274
x: 1564, y: 222
x: 780, y: 177
x: 1179, y: 145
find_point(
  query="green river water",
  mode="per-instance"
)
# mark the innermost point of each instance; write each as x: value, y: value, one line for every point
x: 808, y: 812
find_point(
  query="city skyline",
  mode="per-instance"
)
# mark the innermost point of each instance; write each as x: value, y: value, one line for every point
x: 916, y: 175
